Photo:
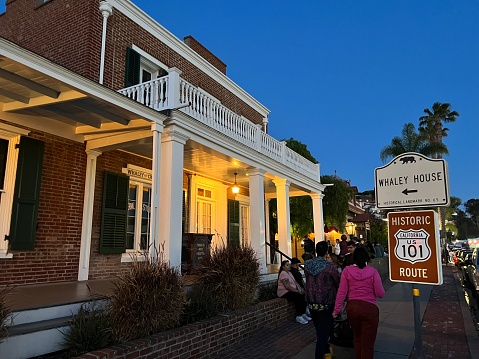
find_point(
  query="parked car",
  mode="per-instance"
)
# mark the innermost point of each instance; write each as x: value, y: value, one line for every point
x: 473, y: 271
x: 464, y: 260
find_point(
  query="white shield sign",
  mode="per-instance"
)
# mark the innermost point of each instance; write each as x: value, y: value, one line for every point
x: 412, y: 245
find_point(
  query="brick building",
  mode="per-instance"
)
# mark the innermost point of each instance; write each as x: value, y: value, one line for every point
x: 119, y: 139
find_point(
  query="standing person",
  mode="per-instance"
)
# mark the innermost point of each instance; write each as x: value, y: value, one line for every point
x: 377, y: 250
x: 348, y: 258
x: 337, y: 247
x: 290, y: 290
x: 308, y: 246
x: 361, y: 285
x: 322, y: 282
x: 343, y: 245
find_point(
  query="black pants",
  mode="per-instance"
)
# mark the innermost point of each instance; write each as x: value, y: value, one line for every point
x: 298, y: 300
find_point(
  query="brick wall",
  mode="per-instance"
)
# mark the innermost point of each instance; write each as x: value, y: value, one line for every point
x: 203, y: 339
x: 205, y: 53
x: 68, y: 32
x: 57, y: 244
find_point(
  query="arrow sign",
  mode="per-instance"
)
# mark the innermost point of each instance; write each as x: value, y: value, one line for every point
x: 412, y: 180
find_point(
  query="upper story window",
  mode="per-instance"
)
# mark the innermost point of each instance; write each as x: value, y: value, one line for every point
x: 141, y: 68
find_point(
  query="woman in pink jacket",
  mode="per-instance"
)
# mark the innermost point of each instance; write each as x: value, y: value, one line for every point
x: 361, y: 285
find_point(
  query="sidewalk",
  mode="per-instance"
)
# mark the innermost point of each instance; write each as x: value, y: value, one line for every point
x: 447, y: 328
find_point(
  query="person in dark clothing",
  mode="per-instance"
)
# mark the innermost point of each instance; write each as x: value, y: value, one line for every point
x: 343, y: 245
x: 308, y: 246
x: 295, y: 271
x: 348, y: 258
x: 322, y: 282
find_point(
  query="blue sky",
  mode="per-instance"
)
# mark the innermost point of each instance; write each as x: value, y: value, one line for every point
x: 344, y: 77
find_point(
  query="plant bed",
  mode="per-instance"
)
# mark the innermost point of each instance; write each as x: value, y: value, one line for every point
x: 204, y: 338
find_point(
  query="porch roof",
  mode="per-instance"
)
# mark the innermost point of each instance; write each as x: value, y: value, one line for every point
x: 31, y: 85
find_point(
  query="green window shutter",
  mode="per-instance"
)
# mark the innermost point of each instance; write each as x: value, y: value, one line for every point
x: 132, y: 72
x: 233, y: 222
x: 114, y: 213
x: 27, y: 194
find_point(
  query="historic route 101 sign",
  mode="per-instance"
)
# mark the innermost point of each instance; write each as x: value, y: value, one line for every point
x: 414, y: 249
x: 412, y: 180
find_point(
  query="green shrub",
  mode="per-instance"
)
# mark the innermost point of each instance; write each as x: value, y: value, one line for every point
x: 267, y: 291
x: 89, y: 330
x: 5, y: 312
x: 148, y: 299
x: 200, y: 304
x: 231, y: 275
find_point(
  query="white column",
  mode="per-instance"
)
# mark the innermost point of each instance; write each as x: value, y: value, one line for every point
x: 88, y: 199
x: 318, y: 216
x: 257, y: 215
x: 267, y: 233
x: 156, y: 130
x: 174, y: 88
x: 171, y: 187
x: 7, y: 195
x: 284, y: 227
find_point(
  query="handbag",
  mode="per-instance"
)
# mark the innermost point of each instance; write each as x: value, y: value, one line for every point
x: 342, y: 333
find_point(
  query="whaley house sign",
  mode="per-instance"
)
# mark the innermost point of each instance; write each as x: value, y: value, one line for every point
x: 412, y: 180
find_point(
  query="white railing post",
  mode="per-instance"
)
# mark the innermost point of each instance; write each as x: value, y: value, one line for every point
x: 283, y: 152
x: 257, y: 137
x: 174, y: 88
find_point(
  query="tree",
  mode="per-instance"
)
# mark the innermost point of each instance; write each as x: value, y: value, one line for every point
x: 301, y: 207
x: 411, y: 141
x: 472, y: 208
x: 431, y: 125
x: 379, y: 230
x: 335, y: 201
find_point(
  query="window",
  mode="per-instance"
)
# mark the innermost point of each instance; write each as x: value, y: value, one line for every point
x: 141, y: 68
x: 204, y: 211
x: 139, y: 211
x: 3, y: 162
x: 244, y: 225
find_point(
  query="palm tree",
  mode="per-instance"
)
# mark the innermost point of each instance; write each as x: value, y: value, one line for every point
x: 411, y: 141
x: 431, y: 125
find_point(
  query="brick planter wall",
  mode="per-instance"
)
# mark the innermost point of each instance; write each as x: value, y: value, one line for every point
x: 205, y: 338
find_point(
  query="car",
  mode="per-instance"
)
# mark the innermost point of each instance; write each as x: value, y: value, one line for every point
x: 464, y: 259
x: 472, y: 271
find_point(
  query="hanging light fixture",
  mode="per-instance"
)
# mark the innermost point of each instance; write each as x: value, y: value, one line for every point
x: 235, y: 189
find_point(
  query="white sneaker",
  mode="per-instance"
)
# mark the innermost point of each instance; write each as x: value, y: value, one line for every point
x: 299, y: 319
x: 306, y: 317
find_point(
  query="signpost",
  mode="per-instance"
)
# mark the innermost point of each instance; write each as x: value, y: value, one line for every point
x: 413, y: 180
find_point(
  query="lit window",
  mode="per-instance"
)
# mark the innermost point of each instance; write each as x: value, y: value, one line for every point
x: 139, y: 209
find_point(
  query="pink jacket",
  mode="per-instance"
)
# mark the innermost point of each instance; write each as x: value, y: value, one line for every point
x: 359, y: 284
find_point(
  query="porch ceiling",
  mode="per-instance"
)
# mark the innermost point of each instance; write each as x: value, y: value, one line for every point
x: 26, y: 91
x: 212, y: 164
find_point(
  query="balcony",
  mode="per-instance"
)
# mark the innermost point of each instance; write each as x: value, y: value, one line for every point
x: 173, y: 92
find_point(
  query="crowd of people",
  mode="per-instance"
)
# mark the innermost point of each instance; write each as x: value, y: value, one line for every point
x: 338, y: 280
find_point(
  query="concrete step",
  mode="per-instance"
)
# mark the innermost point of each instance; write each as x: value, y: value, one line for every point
x: 38, y: 331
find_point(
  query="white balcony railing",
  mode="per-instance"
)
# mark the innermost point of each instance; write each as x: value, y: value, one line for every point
x: 171, y: 91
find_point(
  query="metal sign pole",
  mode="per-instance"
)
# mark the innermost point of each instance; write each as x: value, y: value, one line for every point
x: 417, y: 320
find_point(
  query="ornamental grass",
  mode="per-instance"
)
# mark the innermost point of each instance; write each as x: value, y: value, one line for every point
x: 5, y: 312
x: 231, y: 275
x: 148, y: 299
x: 89, y: 330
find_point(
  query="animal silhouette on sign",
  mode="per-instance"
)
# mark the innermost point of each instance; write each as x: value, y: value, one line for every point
x: 407, y: 159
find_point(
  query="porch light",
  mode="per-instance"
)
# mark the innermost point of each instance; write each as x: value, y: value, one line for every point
x: 235, y: 189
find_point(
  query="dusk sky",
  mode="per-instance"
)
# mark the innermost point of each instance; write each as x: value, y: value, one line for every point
x: 343, y: 77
